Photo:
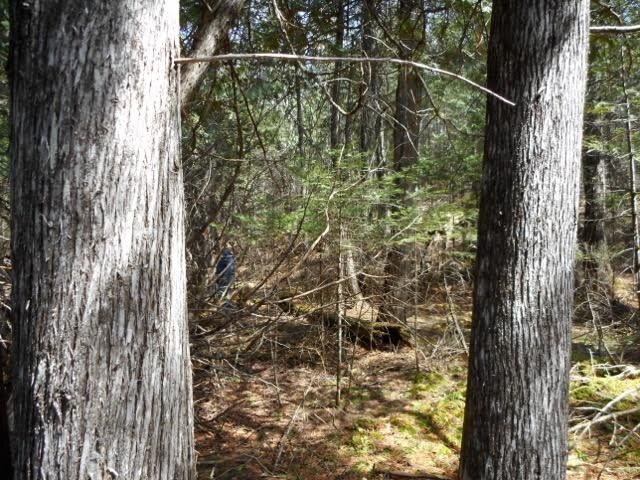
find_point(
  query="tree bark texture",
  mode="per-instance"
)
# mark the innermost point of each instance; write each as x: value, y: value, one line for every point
x: 515, y: 423
x: 6, y: 468
x: 101, y: 367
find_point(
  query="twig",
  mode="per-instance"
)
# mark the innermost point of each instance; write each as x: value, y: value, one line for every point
x: 294, y: 417
x: 228, y: 409
x: 313, y: 58
x: 317, y: 289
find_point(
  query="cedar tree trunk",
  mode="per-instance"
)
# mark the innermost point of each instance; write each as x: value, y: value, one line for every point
x: 101, y: 367
x: 515, y: 423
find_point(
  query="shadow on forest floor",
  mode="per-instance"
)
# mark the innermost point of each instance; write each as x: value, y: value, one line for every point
x: 265, y: 406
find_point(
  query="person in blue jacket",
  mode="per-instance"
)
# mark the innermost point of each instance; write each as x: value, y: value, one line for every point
x: 225, y: 272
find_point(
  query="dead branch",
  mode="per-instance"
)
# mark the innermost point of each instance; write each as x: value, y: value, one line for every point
x: 310, y: 58
x: 615, y: 30
x: 392, y: 473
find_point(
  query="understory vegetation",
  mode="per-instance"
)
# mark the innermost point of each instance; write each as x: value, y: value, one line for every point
x: 313, y: 219
x: 348, y: 194
x: 266, y: 405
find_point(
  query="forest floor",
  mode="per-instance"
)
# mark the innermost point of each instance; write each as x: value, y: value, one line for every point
x: 265, y: 402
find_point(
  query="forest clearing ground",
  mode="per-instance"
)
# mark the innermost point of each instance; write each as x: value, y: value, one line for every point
x: 268, y: 411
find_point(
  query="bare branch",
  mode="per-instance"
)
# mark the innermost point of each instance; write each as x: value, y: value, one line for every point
x: 615, y: 30
x: 306, y: 58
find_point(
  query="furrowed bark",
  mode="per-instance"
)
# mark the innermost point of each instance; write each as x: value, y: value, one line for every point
x: 6, y: 468
x: 101, y: 367
x: 517, y: 395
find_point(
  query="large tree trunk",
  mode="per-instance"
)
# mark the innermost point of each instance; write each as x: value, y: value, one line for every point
x: 102, y: 375
x: 516, y: 414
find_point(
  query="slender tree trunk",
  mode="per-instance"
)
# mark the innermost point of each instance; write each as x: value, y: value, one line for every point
x: 370, y: 120
x: 515, y: 423
x: 211, y: 31
x: 352, y: 271
x: 406, y: 130
x: 334, y: 126
x: 633, y: 177
x: 409, y: 90
x: 299, y: 115
x: 406, y: 144
x: 102, y: 374
x: 347, y: 127
x: 596, y: 266
x: 595, y: 190
x: 340, y: 307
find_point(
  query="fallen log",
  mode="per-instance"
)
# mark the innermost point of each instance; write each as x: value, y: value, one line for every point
x: 364, y: 331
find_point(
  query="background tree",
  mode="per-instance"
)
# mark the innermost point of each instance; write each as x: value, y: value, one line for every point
x: 406, y: 148
x: 102, y: 375
x: 609, y: 221
x: 204, y: 40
